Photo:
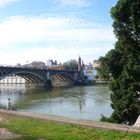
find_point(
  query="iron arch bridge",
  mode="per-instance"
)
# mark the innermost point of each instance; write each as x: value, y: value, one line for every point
x: 40, y: 77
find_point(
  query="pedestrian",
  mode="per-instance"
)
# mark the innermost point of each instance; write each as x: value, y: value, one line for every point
x: 9, y: 104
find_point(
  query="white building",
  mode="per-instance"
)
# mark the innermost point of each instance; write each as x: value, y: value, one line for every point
x: 49, y: 63
x: 90, y: 74
x: 88, y: 66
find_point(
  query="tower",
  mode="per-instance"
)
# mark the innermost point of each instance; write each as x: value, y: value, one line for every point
x: 79, y: 63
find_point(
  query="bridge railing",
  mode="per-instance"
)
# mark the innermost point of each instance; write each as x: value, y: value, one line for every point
x: 5, y: 65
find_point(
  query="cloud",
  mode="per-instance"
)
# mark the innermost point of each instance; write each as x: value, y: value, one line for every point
x: 60, y: 53
x: 20, y: 29
x: 41, y: 38
x: 78, y: 3
x: 3, y: 3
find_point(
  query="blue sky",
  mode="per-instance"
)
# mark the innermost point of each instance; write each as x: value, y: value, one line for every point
x: 38, y: 30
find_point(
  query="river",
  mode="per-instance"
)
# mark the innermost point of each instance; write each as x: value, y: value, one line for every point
x: 83, y: 102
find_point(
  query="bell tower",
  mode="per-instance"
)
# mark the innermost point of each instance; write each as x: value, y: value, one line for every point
x: 79, y: 63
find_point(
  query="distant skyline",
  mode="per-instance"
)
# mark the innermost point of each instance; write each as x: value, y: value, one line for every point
x: 55, y: 29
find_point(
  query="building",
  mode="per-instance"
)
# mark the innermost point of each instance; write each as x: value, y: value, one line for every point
x: 90, y: 74
x: 57, y: 67
x: 88, y: 66
x: 88, y: 71
x: 51, y: 63
x: 54, y: 65
x: 37, y: 64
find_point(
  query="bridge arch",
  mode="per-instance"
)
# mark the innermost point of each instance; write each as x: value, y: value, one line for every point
x: 64, y: 75
x: 61, y: 79
x: 42, y: 77
x: 30, y: 77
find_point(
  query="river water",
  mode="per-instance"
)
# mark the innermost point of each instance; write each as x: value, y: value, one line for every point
x: 83, y: 102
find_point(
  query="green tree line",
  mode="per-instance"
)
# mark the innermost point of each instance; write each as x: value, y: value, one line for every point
x: 122, y: 63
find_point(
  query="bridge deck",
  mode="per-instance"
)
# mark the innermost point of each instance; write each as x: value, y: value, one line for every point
x: 40, y: 77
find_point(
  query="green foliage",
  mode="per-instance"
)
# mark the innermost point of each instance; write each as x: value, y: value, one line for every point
x: 96, y: 76
x: 70, y: 65
x: 102, y: 70
x: 33, y: 129
x: 123, y: 62
x: 106, y: 119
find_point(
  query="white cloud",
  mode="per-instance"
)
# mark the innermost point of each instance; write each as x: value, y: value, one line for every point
x: 20, y: 29
x: 79, y: 3
x: 3, y: 3
x: 62, y: 39
x: 60, y: 53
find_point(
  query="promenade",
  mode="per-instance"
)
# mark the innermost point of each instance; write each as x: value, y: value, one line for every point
x: 80, y: 122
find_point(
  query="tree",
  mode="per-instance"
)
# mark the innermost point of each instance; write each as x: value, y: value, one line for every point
x: 102, y: 70
x: 70, y: 65
x: 123, y: 62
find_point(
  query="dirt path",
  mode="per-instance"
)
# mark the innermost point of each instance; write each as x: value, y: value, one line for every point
x: 5, y: 134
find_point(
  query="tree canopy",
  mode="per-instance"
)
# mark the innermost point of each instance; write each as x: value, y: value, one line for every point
x: 71, y: 65
x: 123, y: 62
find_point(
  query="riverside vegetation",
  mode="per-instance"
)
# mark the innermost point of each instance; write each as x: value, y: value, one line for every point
x: 122, y: 64
x: 34, y: 129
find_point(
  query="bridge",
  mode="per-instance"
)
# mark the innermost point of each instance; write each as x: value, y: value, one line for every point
x: 41, y: 77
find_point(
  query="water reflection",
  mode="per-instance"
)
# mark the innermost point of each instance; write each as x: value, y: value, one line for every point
x: 87, y: 102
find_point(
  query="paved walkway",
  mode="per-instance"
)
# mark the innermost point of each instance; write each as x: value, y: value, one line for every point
x: 80, y: 122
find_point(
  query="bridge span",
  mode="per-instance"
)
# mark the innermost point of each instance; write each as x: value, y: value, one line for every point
x: 41, y: 77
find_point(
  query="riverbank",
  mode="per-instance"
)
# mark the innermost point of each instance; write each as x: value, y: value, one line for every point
x: 47, y: 127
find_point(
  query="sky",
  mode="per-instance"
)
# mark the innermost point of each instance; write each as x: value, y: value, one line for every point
x: 38, y: 30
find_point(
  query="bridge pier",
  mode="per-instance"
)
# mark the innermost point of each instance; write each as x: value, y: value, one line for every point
x: 48, y: 80
x: 48, y: 83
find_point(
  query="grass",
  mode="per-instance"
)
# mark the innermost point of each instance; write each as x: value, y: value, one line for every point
x: 34, y: 129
